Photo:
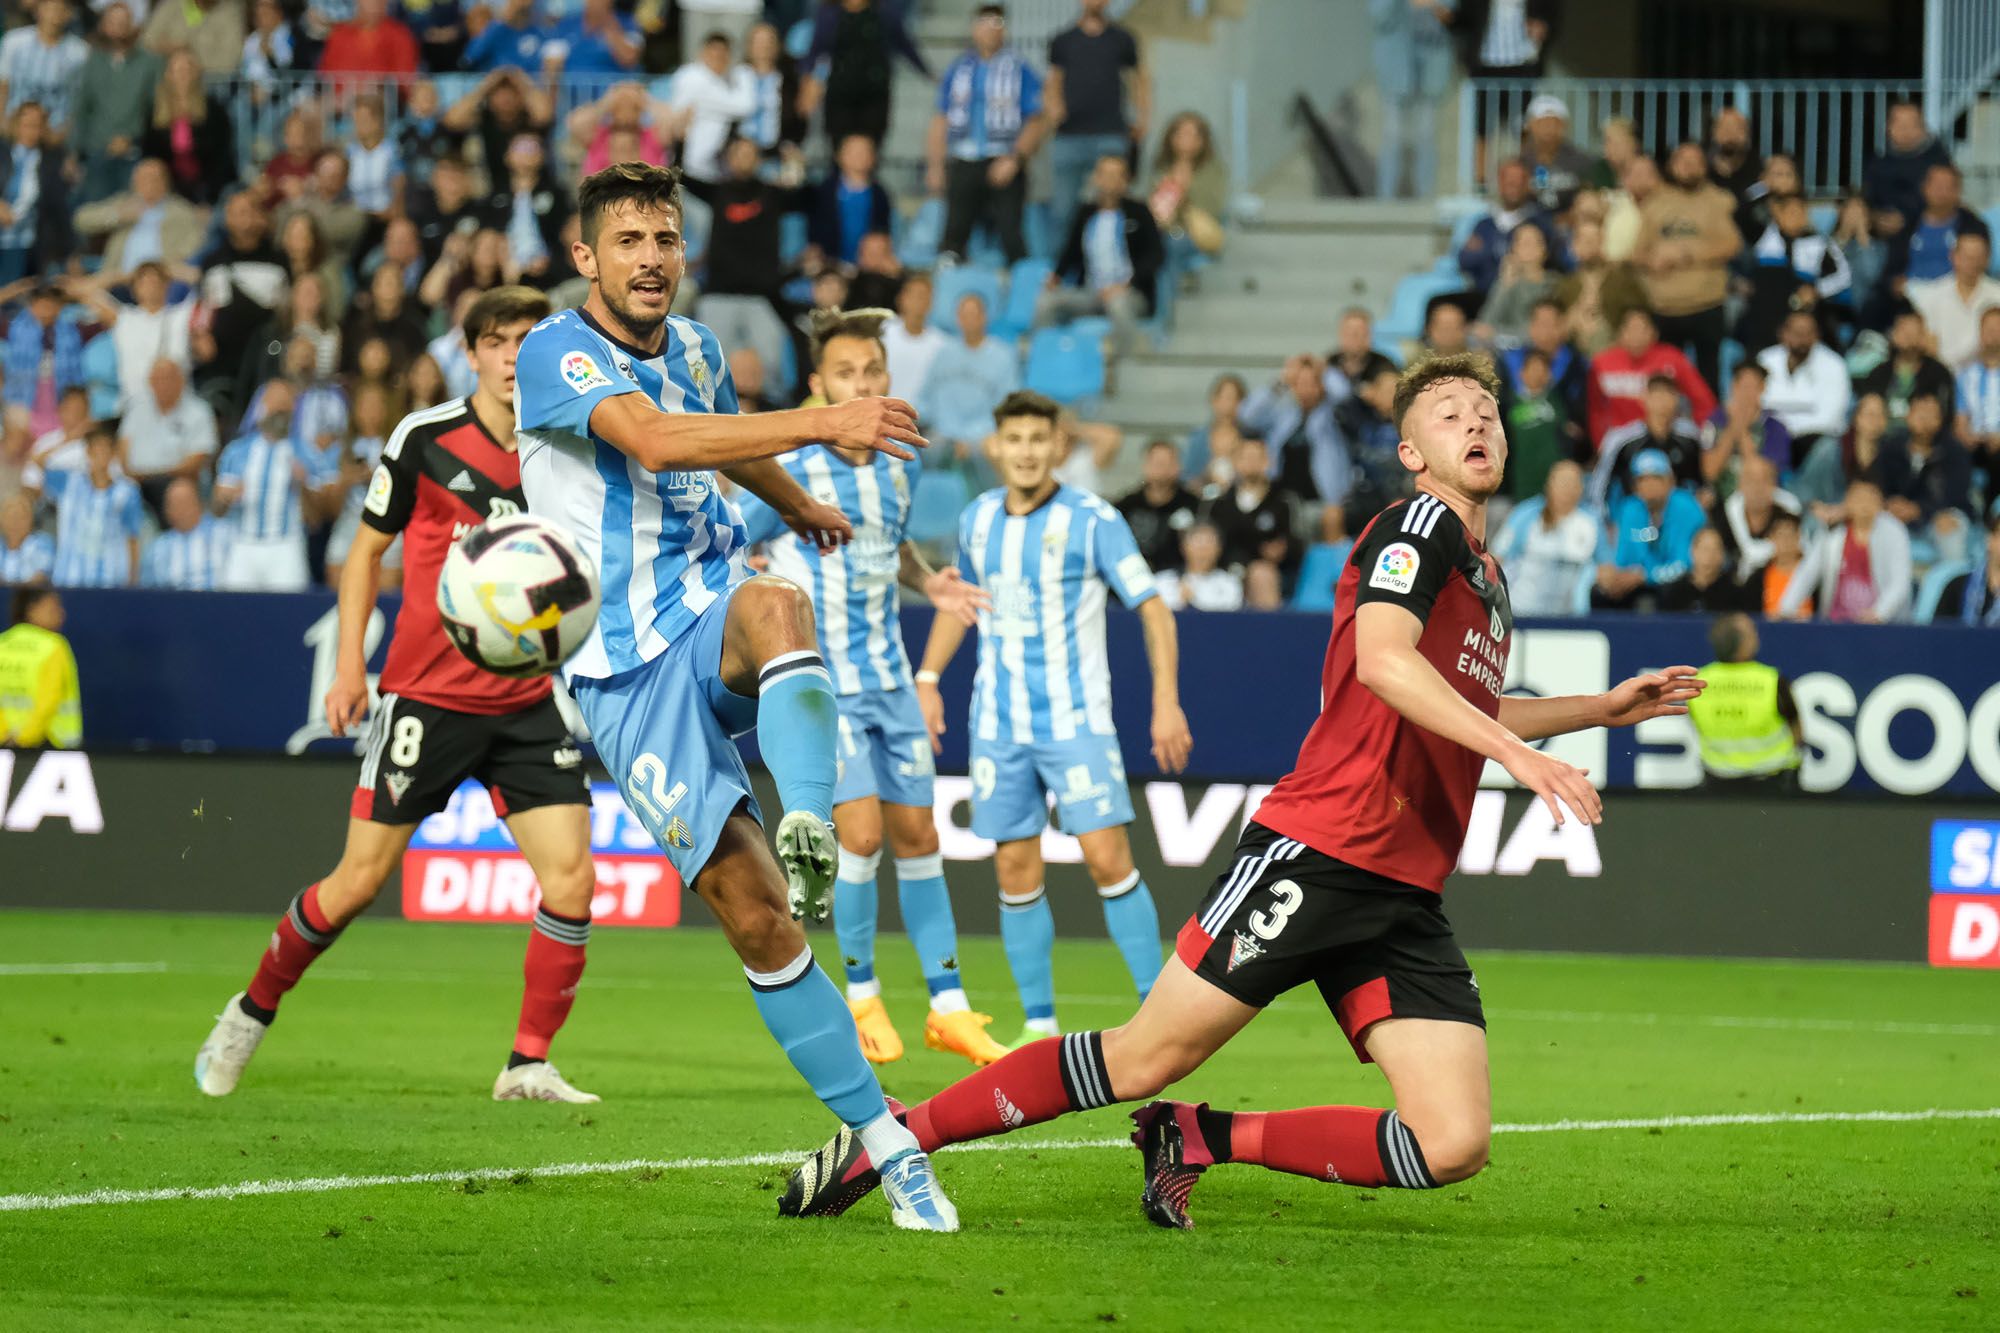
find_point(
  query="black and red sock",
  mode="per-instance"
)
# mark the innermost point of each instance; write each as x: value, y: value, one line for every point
x: 303, y: 934
x: 551, y: 970
x: 1351, y: 1145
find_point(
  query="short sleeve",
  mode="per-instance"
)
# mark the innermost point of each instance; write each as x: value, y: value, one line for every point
x: 229, y: 467
x: 1117, y: 559
x: 1031, y: 92
x: 1406, y: 557
x: 944, y: 89
x: 1129, y: 58
x: 966, y: 567
x: 391, y: 496
x: 561, y: 378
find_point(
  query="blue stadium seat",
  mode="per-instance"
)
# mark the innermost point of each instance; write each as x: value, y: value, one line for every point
x: 1461, y: 231
x: 791, y: 236
x: 1319, y: 575
x: 1090, y: 326
x: 100, y: 375
x: 1932, y: 589
x: 952, y: 283
x: 1825, y: 217
x: 922, y: 235
x: 935, y: 505
x: 1038, y: 230
x: 1024, y: 284
x: 1067, y: 367
x: 1406, y: 308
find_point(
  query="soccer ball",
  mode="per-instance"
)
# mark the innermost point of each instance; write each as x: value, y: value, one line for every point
x: 516, y: 596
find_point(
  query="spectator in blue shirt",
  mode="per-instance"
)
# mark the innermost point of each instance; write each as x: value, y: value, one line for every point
x: 988, y: 124
x: 967, y: 379
x: 98, y: 519
x: 1493, y: 234
x: 597, y: 41
x: 190, y: 552
x: 849, y: 204
x: 261, y: 484
x: 1923, y: 249
x: 515, y: 40
x: 1655, y: 528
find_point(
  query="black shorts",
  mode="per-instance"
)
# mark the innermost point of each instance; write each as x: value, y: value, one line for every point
x: 419, y: 753
x: 1284, y: 915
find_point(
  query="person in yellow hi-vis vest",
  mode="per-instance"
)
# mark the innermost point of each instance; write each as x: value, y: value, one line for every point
x: 39, y: 703
x: 1747, y: 719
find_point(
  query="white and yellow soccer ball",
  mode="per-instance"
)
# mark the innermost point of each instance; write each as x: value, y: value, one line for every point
x: 517, y: 596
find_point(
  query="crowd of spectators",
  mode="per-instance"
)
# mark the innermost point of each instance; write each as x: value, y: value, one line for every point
x: 235, y: 236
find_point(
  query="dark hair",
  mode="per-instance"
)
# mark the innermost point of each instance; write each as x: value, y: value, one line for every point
x: 1165, y: 155
x: 1027, y: 403
x: 635, y: 183
x: 1548, y: 301
x: 1242, y: 389
x: 714, y: 35
x: 24, y: 600
x: 101, y: 430
x: 1667, y: 382
x: 1727, y: 636
x: 1638, y: 310
x: 1162, y: 442
x: 1784, y: 516
x: 1535, y: 354
x: 1750, y: 368
x: 501, y: 306
x: 830, y: 324
x: 996, y: 11
x: 74, y: 391
x: 1422, y: 374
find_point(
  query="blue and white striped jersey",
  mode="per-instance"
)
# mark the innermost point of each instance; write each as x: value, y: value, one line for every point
x: 188, y: 561
x: 666, y: 544
x: 274, y: 475
x: 1043, y: 671
x: 1979, y: 396
x: 34, y: 558
x: 855, y: 590
x: 93, y: 529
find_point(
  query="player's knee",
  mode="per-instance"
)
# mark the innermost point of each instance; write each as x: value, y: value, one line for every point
x: 862, y: 844
x: 1140, y: 1068
x: 777, y: 606
x: 568, y: 890
x: 1454, y: 1153
x: 350, y: 889
x: 764, y: 934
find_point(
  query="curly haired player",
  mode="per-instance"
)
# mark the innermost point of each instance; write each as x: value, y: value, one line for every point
x: 1337, y: 880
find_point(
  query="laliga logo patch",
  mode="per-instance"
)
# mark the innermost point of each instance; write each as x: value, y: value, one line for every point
x: 1396, y: 571
x: 581, y: 373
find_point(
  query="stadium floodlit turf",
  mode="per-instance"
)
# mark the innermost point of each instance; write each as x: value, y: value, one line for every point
x: 381, y: 1064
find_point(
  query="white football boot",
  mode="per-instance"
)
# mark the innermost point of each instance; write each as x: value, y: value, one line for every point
x: 810, y: 855
x: 537, y: 1082
x: 916, y: 1200
x: 220, y: 1062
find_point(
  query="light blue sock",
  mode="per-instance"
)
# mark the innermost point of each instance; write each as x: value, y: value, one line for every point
x: 926, y: 904
x: 1028, y: 933
x: 854, y: 906
x: 1134, y: 924
x: 806, y: 1015
x: 797, y: 726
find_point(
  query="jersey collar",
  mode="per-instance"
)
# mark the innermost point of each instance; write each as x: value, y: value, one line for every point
x: 638, y: 353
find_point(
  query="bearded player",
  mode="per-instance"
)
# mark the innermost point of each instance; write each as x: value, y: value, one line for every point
x: 440, y: 720
x: 885, y: 780
x: 1337, y: 879
x: 627, y: 414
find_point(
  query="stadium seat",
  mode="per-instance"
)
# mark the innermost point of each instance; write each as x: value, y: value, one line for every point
x: 935, y: 505
x: 949, y: 284
x: 1824, y: 218
x: 791, y: 236
x: 922, y: 235
x: 1319, y: 575
x: 1066, y: 366
x: 1024, y: 285
x: 1931, y: 590
x: 1406, y: 308
x: 100, y: 376
x: 1038, y: 230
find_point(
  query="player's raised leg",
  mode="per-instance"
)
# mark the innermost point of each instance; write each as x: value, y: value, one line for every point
x: 856, y: 906
x: 307, y: 929
x: 555, y: 839
x: 1129, y: 914
x: 770, y: 652
x: 925, y: 901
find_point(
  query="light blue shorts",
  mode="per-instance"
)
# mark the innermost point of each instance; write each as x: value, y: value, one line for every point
x: 884, y: 750
x: 665, y: 731
x: 1012, y: 780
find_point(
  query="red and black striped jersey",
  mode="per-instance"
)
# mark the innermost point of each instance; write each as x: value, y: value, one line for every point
x: 1371, y: 787
x: 442, y: 474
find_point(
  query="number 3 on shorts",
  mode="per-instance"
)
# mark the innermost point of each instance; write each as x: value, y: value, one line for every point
x: 1285, y: 899
x: 406, y: 742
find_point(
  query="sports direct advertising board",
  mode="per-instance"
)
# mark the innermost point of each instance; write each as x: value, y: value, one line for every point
x: 1965, y: 893
x: 462, y: 865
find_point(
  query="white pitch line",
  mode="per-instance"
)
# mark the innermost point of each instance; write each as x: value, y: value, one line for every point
x: 76, y: 969
x: 1896, y: 1027
x: 18, y: 1203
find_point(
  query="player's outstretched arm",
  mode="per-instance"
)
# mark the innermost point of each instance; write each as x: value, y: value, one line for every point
x: 711, y: 441
x: 1662, y: 693
x: 947, y: 633
x: 1171, y: 739
x: 946, y: 589
x: 360, y: 577
x: 1388, y: 665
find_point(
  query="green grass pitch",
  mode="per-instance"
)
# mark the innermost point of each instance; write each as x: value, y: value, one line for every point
x: 383, y: 1058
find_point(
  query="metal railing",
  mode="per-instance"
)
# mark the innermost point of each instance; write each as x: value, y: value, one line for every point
x: 1961, y: 56
x: 1831, y: 126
